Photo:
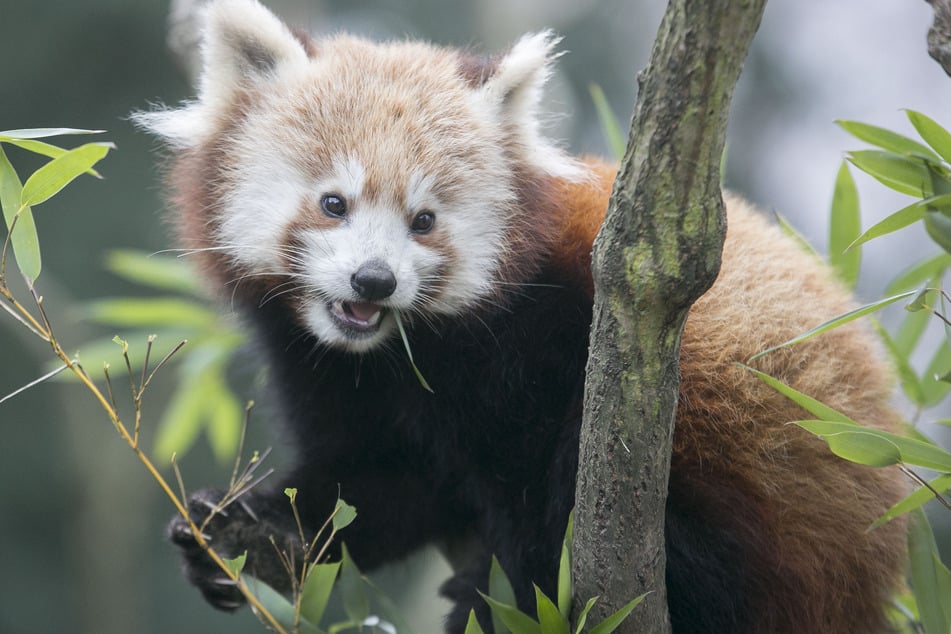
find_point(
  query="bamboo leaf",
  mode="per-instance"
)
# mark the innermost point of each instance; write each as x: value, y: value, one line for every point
x: 902, y: 218
x: 45, y: 149
x: 512, y: 619
x: 918, y: 498
x: 564, y: 569
x: 888, y: 140
x: 472, y: 625
x: 166, y: 273
x: 355, y: 601
x: 613, y: 134
x: 906, y: 373
x: 933, y: 385
x: 934, y: 135
x: 500, y: 589
x: 938, y: 227
x: 844, y: 227
x: 39, y: 133
x: 143, y: 312
x: 583, y: 617
x: 236, y: 565
x: 279, y: 607
x: 808, y: 403
x: 910, y: 451
x: 611, y: 623
x: 856, y: 444
x: 224, y: 417
x: 23, y: 236
x: 344, y: 514
x: 835, y: 322
x: 925, y: 572
x: 550, y: 619
x: 181, y: 422
x: 916, y: 275
x: 905, y: 175
x: 315, y: 593
x: 45, y: 182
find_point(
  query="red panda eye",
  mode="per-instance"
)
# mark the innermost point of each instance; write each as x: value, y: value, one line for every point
x: 423, y: 222
x: 333, y: 205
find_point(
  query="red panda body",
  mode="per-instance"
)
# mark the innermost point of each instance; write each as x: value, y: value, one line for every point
x: 329, y: 186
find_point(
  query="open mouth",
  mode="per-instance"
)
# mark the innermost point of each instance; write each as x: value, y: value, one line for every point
x: 357, y: 318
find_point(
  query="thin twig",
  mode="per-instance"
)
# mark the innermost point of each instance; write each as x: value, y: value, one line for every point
x: 45, y: 377
x: 917, y: 478
x: 161, y: 363
x: 244, y: 431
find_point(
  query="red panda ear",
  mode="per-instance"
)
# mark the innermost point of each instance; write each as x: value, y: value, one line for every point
x: 243, y: 44
x: 513, y: 93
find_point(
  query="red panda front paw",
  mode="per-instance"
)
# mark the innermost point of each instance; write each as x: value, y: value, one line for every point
x: 220, y: 528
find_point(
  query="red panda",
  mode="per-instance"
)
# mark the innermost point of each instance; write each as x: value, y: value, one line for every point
x: 330, y: 187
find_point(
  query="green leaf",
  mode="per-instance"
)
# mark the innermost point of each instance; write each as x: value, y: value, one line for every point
x: 925, y: 575
x: 343, y: 516
x: 472, y: 625
x: 388, y: 609
x: 45, y: 149
x: 856, y: 444
x: 933, y: 386
x: 500, y: 589
x: 48, y: 180
x: 409, y: 353
x: 315, y: 593
x: 905, y: 175
x: 512, y: 619
x: 797, y: 237
x: 611, y: 623
x: 181, y: 421
x: 906, y: 373
x: 938, y: 226
x: 279, y: 607
x: 916, y: 275
x: 24, y: 239
x: 888, y: 140
x: 157, y: 271
x: 808, y: 403
x: 352, y: 589
x: 902, y: 218
x: 549, y: 617
x: 844, y: 226
x: 835, y: 322
x: 583, y: 617
x: 918, y: 498
x: 564, y: 569
x: 910, y: 451
x: 912, y: 327
x: 609, y: 122
x: 39, y: 133
x: 236, y: 565
x: 933, y: 134
x: 152, y: 311
x: 225, y: 416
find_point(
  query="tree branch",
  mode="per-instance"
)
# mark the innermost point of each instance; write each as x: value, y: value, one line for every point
x: 939, y: 35
x: 658, y: 251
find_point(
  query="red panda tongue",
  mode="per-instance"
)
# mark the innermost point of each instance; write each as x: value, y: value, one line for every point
x: 363, y: 311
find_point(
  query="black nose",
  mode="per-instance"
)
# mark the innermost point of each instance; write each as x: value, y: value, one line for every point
x: 373, y: 280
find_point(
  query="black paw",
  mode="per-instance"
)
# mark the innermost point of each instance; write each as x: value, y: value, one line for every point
x: 223, y: 530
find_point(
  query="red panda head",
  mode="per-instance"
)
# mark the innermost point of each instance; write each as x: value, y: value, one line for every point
x: 359, y: 179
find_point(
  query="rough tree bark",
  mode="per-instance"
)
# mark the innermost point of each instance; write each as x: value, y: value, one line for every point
x: 939, y: 35
x: 658, y: 251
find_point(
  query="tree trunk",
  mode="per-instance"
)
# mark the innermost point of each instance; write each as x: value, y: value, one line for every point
x: 658, y: 251
x: 939, y: 35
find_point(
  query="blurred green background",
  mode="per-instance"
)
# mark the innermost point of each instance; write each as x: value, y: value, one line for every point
x: 81, y: 523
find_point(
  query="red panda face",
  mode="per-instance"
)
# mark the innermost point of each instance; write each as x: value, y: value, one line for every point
x: 369, y: 179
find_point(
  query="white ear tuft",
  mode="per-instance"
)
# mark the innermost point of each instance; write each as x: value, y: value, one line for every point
x: 514, y: 92
x: 519, y: 77
x: 243, y: 44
